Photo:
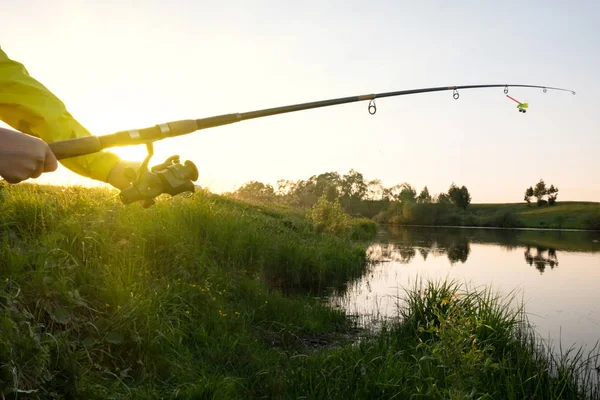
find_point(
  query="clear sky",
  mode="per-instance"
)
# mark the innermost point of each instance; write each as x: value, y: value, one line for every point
x: 130, y: 64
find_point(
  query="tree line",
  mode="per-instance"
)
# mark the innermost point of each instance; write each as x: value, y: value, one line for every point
x: 357, y: 195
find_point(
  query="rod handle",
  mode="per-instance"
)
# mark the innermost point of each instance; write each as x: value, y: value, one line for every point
x: 76, y: 147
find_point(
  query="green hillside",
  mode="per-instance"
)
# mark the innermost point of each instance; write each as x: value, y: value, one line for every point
x: 565, y: 215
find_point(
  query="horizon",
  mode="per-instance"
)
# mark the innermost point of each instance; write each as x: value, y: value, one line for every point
x: 533, y: 204
x: 158, y: 63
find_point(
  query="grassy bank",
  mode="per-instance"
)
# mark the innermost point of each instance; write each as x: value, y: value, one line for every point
x: 452, y: 344
x: 563, y: 215
x: 209, y: 297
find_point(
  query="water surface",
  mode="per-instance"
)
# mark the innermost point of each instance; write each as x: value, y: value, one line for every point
x: 556, y: 274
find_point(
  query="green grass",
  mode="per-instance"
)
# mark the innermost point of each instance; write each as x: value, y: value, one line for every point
x: 454, y: 344
x: 565, y: 215
x: 112, y: 299
x: 213, y: 298
x: 562, y: 215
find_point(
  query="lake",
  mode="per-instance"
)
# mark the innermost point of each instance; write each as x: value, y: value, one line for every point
x: 555, y: 273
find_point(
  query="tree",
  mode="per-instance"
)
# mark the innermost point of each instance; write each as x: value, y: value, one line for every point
x: 552, y: 193
x: 424, y: 196
x: 528, y: 195
x: 443, y: 198
x: 386, y: 194
x: 329, y: 184
x: 539, y: 192
x: 408, y: 194
x: 465, y: 197
x: 256, y: 191
x: 284, y: 187
x: 375, y: 190
x: 303, y: 193
x: 460, y: 197
x: 286, y: 191
x: 392, y: 193
x: 453, y: 194
x: 353, y: 185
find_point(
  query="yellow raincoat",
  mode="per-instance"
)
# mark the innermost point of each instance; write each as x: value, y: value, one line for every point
x: 29, y: 107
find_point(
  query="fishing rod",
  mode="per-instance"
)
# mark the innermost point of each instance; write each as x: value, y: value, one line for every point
x: 173, y: 178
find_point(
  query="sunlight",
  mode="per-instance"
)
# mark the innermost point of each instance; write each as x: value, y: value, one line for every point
x: 132, y: 153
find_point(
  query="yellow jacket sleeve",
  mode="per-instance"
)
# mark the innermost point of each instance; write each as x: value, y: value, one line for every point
x: 29, y: 107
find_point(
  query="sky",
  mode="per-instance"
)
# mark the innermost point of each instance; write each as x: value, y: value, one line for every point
x: 121, y: 65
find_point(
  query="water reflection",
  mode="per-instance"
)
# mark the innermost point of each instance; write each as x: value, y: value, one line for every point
x: 541, y: 260
x: 562, y: 303
x: 541, y: 247
x: 403, y: 254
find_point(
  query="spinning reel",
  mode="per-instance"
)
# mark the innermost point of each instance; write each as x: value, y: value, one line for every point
x: 169, y: 177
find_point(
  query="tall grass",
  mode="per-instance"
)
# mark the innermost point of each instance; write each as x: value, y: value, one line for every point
x: 486, y: 347
x: 105, y: 300
x: 453, y: 343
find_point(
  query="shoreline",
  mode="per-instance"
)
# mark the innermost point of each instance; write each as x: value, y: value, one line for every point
x: 494, y: 228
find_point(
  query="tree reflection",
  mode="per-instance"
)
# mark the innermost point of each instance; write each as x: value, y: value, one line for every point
x: 455, y: 244
x: 456, y: 247
x: 459, y: 251
x: 407, y: 253
x: 542, y: 258
x: 391, y: 252
x: 404, y: 250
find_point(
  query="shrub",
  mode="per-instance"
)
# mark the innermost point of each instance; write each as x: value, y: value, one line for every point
x: 328, y: 216
x: 503, y: 219
x: 363, y: 229
x: 451, y: 218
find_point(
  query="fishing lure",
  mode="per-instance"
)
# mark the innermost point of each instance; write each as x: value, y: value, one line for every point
x: 521, y: 106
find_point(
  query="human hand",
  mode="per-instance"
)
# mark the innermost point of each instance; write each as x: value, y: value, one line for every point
x: 23, y: 156
x: 117, y: 176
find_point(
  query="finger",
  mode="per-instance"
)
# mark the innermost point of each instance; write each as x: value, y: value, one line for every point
x: 12, y: 179
x: 38, y: 170
x: 17, y: 175
x: 50, y: 163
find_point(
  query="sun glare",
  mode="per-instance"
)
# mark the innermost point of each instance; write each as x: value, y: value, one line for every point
x: 133, y: 153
